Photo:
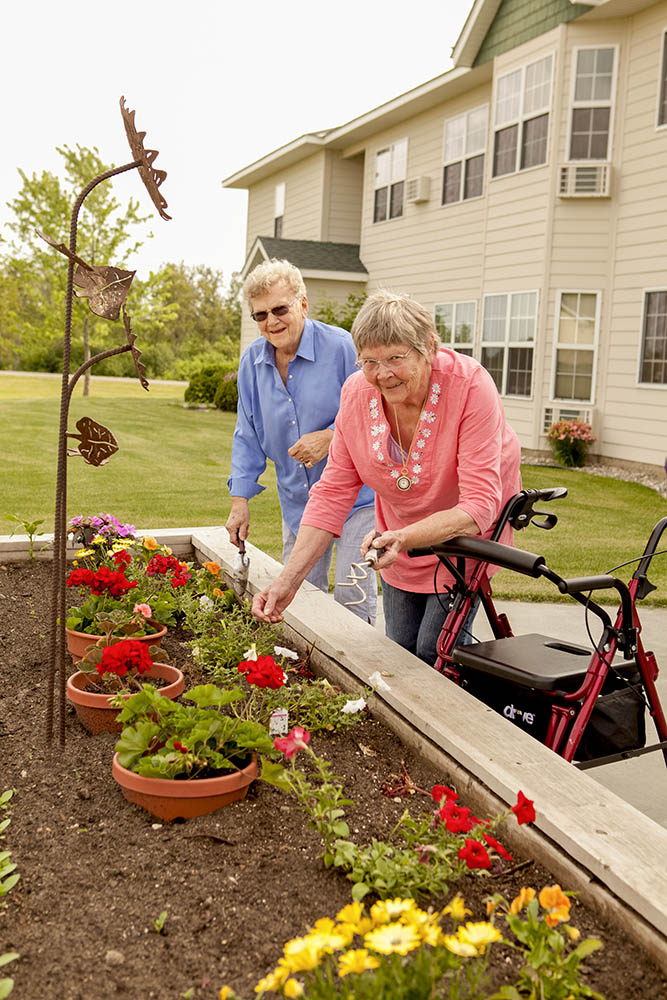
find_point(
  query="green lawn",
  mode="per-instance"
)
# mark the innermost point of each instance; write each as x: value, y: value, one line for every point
x: 172, y: 468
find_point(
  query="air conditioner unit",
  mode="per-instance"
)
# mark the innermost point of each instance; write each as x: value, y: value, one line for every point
x: 417, y: 189
x: 553, y: 413
x: 584, y: 180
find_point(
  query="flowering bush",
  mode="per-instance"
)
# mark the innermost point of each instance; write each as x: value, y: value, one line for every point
x: 165, y: 739
x: 570, y: 440
x: 398, y: 950
x: 137, y: 577
x: 428, y: 851
x: 86, y: 527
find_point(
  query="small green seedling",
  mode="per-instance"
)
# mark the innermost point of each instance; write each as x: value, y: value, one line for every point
x: 30, y: 529
x: 160, y: 921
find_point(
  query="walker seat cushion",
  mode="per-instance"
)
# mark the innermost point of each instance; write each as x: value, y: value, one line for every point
x: 533, y: 661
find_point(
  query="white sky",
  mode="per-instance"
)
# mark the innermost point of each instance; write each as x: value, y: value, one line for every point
x: 215, y: 85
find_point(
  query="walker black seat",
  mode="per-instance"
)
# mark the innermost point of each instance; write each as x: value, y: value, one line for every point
x: 531, y: 661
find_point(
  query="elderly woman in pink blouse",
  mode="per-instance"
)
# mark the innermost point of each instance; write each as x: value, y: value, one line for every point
x: 425, y: 428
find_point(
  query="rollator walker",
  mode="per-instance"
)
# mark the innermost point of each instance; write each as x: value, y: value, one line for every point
x: 586, y: 704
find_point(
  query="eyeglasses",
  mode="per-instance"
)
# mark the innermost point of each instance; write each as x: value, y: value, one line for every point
x: 263, y: 314
x: 370, y: 367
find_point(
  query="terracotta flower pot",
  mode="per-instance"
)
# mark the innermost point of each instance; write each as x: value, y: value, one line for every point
x: 78, y: 642
x: 94, y: 710
x: 169, y: 799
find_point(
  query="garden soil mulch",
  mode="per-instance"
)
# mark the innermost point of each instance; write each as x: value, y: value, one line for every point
x: 96, y: 871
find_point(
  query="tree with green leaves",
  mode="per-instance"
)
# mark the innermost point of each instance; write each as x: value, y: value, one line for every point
x: 33, y: 275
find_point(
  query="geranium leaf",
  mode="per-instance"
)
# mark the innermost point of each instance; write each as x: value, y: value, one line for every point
x: 134, y: 741
x: 207, y: 695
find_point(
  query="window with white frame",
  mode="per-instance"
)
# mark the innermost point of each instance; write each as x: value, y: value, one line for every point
x: 508, y: 341
x: 455, y: 322
x: 653, y: 363
x: 592, y: 103
x: 390, y: 172
x: 278, y: 210
x: 576, y: 344
x: 465, y: 149
x: 521, y: 117
x: 662, y: 104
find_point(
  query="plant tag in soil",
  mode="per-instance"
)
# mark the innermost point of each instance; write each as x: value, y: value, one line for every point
x: 278, y: 725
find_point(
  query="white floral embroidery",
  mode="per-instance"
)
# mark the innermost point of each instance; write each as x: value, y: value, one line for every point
x: 416, y: 455
x: 421, y: 443
x: 376, y: 445
x: 426, y: 432
x: 394, y: 473
x: 416, y: 468
x: 381, y: 456
x: 414, y: 480
x: 427, y: 415
x: 378, y: 429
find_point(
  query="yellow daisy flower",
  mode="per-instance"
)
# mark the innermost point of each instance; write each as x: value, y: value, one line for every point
x: 226, y: 993
x: 457, y: 909
x: 357, y: 961
x: 324, y: 925
x: 98, y: 540
x: 453, y: 943
x: 272, y: 982
x: 386, y: 910
x: 293, y: 988
x: 479, y: 935
x: 350, y: 914
x: 393, y: 938
x: 302, y: 954
x: 82, y: 553
x: 347, y: 932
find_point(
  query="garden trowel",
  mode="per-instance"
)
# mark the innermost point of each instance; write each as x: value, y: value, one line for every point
x: 241, y: 566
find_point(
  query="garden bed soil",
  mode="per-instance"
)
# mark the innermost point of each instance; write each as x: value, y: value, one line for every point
x: 96, y: 872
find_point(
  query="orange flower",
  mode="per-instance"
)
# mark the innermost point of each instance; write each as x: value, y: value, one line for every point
x: 553, y: 899
x: 212, y: 567
x: 217, y: 592
x: 523, y: 899
x: 150, y: 543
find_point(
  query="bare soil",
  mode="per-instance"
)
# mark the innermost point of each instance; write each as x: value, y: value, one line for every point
x: 96, y: 871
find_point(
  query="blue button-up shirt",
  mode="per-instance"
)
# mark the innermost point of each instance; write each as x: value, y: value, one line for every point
x: 271, y: 416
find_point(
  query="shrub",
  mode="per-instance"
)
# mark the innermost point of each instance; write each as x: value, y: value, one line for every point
x: 227, y: 394
x: 570, y: 440
x: 204, y: 383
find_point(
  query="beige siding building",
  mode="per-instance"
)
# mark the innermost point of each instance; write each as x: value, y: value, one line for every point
x: 522, y: 197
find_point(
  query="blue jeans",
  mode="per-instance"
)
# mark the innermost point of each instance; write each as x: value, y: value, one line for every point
x: 415, y: 621
x: 348, y: 550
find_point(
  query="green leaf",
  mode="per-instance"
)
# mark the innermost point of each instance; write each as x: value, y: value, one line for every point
x: 359, y: 890
x: 159, y: 922
x: 6, y: 987
x: 208, y: 695
x: 9, y: 956
x: 6, y: 796
x: 275, y: 774
x: 586, y: 947
x: 134, y: 741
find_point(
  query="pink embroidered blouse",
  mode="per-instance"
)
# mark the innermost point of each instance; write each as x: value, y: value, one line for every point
x: 464, y: 455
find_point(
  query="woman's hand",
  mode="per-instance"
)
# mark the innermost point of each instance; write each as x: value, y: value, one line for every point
x: 391, y: 541
x: 311, y: 448
x: 269, y: 604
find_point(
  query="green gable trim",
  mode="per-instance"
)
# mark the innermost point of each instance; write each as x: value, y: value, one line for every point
x: 517, y: 21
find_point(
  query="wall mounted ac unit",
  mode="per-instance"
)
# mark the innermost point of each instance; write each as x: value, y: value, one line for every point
x: 417, y: 189
x: 584, y: 180
x: 551, y: 414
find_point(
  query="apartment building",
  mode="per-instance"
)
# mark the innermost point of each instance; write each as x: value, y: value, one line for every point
x: 522, y: 197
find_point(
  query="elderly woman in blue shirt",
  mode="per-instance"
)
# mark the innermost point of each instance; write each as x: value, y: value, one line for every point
x: 289, y: 384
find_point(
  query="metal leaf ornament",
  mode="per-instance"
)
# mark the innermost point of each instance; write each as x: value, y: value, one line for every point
x: 96, y: 442
x: 139, y: 366
x: 104, y: 286
x: 150, y: 175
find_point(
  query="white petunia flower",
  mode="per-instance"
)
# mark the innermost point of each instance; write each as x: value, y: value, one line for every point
x: 251, y: 654
x: 282, y: 651
x: 205, y: 602
x: 376, y: 681
x: 350, y: 707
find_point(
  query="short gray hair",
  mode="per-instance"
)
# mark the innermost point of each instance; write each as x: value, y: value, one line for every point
x: 394, y: 318
x: 270, y: 273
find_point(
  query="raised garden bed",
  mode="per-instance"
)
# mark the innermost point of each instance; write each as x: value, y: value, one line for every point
x: 97, y: 872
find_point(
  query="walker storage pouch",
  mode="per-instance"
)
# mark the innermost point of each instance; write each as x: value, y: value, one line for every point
x: 618, y: 721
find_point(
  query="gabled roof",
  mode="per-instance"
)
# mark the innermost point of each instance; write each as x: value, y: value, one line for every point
x: 315, y: 259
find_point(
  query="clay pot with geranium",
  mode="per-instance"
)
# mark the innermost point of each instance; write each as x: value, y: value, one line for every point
x: 182, y: 760
x: 110, y: 672
x: 135, y: 578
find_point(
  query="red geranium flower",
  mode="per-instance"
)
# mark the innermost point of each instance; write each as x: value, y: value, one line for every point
x: 122, y: 558
x: 295, y: 740
x: 497, y: 847
x: 457, y: 819
x: 263, y: 672
x: 524, y: 810
x: 475, y: 854
x: 81, y: 577
x: 442, y: 791
x: 128, y: 654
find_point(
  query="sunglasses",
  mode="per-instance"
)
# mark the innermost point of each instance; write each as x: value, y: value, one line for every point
x: 263, y: 314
